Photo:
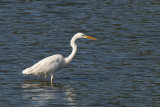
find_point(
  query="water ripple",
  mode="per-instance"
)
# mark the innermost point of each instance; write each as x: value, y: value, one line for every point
x: 121, y: 68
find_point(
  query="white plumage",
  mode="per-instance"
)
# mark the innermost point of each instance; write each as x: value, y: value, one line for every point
x: 49, y: 65
x: 42, y: 67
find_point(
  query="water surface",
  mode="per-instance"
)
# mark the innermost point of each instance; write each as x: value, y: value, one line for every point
x: 121, y: 69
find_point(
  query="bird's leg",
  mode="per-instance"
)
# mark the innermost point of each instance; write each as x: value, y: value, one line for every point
x: 45, y: 77
x: 52, y: 76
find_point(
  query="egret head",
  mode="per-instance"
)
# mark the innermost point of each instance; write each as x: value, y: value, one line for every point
x: 82, y: 35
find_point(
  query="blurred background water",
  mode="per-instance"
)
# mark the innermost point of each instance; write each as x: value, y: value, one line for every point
x: 121, y: 69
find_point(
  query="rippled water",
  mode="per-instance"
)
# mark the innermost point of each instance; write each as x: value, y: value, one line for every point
x: 121, y: 69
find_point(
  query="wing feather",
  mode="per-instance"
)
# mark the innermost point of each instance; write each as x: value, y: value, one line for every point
x: 46, y: 66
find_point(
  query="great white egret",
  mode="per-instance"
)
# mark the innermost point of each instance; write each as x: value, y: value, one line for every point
x: 49, y: 65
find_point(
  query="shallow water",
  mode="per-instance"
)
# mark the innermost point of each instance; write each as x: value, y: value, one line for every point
x: 121, y: 68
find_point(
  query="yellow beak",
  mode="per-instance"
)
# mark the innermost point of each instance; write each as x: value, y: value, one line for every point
x: 90, y: 37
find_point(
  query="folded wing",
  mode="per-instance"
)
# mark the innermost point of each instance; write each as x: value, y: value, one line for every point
x: 46, y: 66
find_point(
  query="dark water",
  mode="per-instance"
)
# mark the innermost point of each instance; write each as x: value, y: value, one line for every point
x: 121, y: 69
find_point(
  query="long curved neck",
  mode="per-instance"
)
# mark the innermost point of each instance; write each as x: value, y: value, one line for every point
x: 74, y: 49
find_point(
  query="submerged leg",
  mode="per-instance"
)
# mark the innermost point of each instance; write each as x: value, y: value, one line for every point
x: 45, y: 77
x: 52, y: 76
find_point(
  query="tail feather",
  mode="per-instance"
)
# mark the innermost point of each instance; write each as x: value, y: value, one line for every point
x: 27, y: 71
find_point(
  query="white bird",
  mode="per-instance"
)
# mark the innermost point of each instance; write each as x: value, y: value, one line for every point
x: 49, y: 65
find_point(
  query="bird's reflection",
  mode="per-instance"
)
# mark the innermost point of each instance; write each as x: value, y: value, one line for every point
x: 44, y: 93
